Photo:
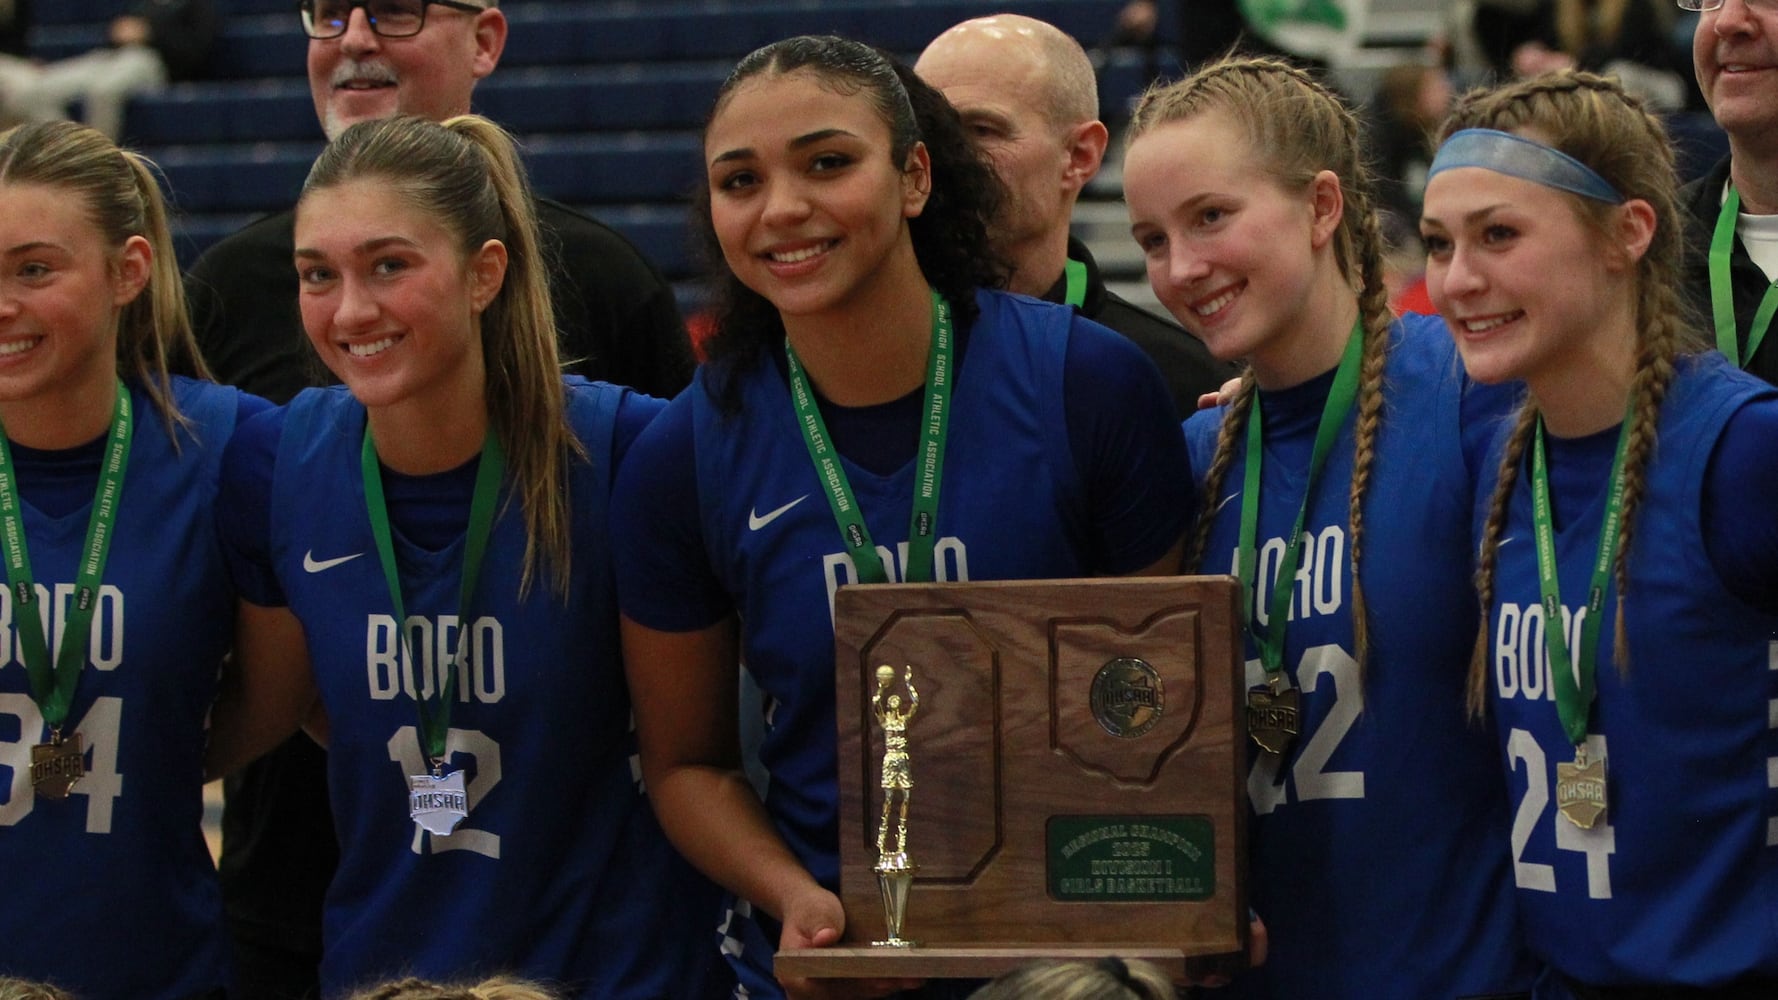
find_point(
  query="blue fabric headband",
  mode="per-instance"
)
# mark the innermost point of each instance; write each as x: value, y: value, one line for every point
x: 1517, y: 156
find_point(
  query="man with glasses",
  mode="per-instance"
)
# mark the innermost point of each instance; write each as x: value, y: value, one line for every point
x: 372, y: 59
x: 1732, y: 212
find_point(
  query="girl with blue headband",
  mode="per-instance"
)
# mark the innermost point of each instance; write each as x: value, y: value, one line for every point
x: 1626, y: 649
x: 1345, y: 466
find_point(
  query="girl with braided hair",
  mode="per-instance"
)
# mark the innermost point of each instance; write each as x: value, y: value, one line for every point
x: 1626, y: 651
x: 1371, y: 800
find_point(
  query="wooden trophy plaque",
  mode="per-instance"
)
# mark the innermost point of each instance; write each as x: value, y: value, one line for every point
x: 1077, y: 761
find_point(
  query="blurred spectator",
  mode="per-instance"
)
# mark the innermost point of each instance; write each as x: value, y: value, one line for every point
x: 1411, y: 100
x: 1484, y: 34
x: 15, y: 21
x: 157, y: 42
x: 1314, y: 33
x: 1630, y: 39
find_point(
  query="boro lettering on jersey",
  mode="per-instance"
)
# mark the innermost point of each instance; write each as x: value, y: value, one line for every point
x: 1320, y: 574
x: 105, y: 648
x: 950, y: 562
x: 433, y: 639
x: 1521, y: 657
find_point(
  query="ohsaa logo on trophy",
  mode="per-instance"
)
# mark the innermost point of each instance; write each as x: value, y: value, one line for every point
x: 1128, y: 697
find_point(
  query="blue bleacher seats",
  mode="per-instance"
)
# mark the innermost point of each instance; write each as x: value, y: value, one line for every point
x: 606, y: 95
x: 594, y: 98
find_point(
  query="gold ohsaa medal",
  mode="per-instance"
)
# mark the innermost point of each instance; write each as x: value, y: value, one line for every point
x: 1274, y: 714
x: 1580, y: 789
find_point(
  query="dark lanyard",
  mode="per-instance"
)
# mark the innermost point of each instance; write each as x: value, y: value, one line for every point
x: 1574, y: 698
x: 928, y: 470
x: 435, y: 713
x: 1076, y: 293
x: 1722, y: 298
x: 53, y: 689
x: 1333, y: 415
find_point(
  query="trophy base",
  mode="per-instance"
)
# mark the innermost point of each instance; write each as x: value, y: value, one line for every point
x: 895, y: 943
x: 961, y: 962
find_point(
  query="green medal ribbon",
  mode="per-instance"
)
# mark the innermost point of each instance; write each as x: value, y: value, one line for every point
x: 928, y: 472
x: 1722, y: 299
x: 1076, y: 294
x: 1574, y: 699
x: 1340, y: 399
x: 435, y: 713
x: 53, y: 690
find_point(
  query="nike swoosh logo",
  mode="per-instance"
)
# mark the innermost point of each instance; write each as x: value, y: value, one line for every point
x: 1224, y: 503
x: 313, y: 565
x: 757, y: 521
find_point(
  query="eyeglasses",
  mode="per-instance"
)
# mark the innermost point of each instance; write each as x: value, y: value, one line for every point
x: 388, y: 18
x: 1702, y: 5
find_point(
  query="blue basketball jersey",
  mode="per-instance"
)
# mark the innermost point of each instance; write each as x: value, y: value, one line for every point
x: 111, y: 891
x: 1377, y: 840
x: 1012, y: 507
x: 559, y: 872
x: 1678, y: 883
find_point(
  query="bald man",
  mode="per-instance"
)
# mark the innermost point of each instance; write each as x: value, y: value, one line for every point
x: 1027, y: 95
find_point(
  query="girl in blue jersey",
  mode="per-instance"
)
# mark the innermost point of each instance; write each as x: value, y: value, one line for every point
x: 851, y: 211
x: 1629, y: 567
x: 425, y: 553
x: 1344, y: 464
x: 118, y: 608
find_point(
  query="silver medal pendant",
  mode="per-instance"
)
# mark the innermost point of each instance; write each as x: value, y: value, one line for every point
x: 57, y: 765
x: 437, y: 802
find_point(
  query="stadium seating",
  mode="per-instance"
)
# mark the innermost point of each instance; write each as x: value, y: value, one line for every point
x: 606, y: 96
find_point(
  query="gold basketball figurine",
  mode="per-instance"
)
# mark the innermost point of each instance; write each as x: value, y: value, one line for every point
x: 895, y: 872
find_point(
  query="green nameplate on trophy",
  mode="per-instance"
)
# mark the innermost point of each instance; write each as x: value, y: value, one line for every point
x: 1047, y: 769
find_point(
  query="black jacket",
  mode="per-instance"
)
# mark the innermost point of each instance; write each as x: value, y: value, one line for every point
x: 1701, y: 201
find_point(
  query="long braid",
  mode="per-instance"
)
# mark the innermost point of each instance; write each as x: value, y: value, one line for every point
x: 1234, y: 424
x: 1488, y: 557
x: 1373, y: 311
x: 1594, y: 120
x: 1654, y: 375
